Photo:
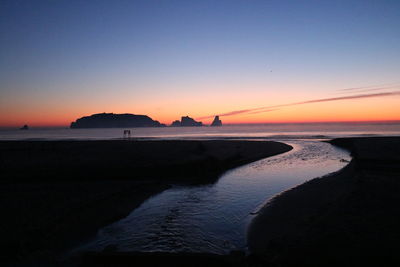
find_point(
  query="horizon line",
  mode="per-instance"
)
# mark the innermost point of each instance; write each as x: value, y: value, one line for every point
x: 227, y: 124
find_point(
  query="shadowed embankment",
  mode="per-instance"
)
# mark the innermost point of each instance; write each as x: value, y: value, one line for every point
x: 350, y: 218
x: 57, y: 193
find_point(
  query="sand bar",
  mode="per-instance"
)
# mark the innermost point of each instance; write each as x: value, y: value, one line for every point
x: 57, y: 193
x: 349, y: 218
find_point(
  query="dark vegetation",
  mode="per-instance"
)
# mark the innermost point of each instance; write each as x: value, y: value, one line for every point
x: 350, y: 218
x: 55, y: 194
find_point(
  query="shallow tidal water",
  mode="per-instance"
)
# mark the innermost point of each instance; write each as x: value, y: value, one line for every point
x: 214, y: 218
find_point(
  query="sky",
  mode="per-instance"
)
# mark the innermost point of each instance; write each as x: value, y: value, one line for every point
x: 247, y: 61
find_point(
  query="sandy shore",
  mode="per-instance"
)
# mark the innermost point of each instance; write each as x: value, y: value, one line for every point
x: 163, y: 259
x: 350, y: 218
x: 57, y: 193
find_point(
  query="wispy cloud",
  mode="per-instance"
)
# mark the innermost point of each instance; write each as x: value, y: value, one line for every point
x: 262, y: 111
x: 272, y: 108
x: 348, y: 97
x: 237, y: 112
x: 230, y: 113
x: 355, y: 88
x: 369, y: 88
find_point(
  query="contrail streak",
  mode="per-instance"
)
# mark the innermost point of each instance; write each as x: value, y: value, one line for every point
x: 386, y: 86
x: 272, y: 108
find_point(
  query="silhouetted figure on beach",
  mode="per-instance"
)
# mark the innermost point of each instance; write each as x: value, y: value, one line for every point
x: 127, y: 134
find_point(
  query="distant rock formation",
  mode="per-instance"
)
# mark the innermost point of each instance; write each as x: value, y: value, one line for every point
x: 176, y: 123
x: 185, y: 122
x: 216, y: 121
x: 25, y: 127
x: 111, y: 120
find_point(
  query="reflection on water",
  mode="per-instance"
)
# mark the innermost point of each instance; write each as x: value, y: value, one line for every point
x: 214, y: 218
x: 271, y: 131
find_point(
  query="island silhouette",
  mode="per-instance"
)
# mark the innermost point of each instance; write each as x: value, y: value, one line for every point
x: 186, y: 121
x: 127, y: 120
x: 216, y: 121
x: 111, y: 120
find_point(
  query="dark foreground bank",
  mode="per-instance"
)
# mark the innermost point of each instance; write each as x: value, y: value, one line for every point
x: 350, y: 218
x: 57, y: 193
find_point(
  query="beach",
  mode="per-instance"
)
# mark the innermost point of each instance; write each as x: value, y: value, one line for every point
x: 349, y: 218
x: 56, y: 194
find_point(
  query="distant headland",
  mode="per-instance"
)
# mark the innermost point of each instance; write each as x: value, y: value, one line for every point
x: 111, y: 120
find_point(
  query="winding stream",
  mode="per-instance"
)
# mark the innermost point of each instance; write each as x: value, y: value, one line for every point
x: 214, y: 218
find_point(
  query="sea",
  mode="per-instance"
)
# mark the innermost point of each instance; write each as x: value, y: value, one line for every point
x: 287, y: 131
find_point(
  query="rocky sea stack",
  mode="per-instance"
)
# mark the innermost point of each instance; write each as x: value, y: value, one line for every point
x: 111, y: 120
x: 186, y: 121
x: 25, y: 127
x: 216, y: 121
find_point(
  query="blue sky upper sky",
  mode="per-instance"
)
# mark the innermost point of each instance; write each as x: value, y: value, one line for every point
x: 141, y: 56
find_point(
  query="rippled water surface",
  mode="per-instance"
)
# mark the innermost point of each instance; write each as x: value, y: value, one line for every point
x: 270, y: 131
x: 214, y: 218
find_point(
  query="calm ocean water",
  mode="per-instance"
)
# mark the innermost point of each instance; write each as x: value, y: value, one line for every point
x: 270, y: 131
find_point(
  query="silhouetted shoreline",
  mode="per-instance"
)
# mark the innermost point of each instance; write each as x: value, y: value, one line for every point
x: 349, y: 218
x: 57, y: 193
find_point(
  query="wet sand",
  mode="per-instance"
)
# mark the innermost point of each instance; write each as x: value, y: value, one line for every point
x: 163, y: 259
x: 350, y: 218
x: 55, y: 194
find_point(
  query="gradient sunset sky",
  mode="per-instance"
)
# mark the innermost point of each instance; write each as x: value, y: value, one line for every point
x: 249, y: 61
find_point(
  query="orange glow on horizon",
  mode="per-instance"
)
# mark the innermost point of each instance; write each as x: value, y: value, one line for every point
x: 66, y: 123
x: 168, y: 109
